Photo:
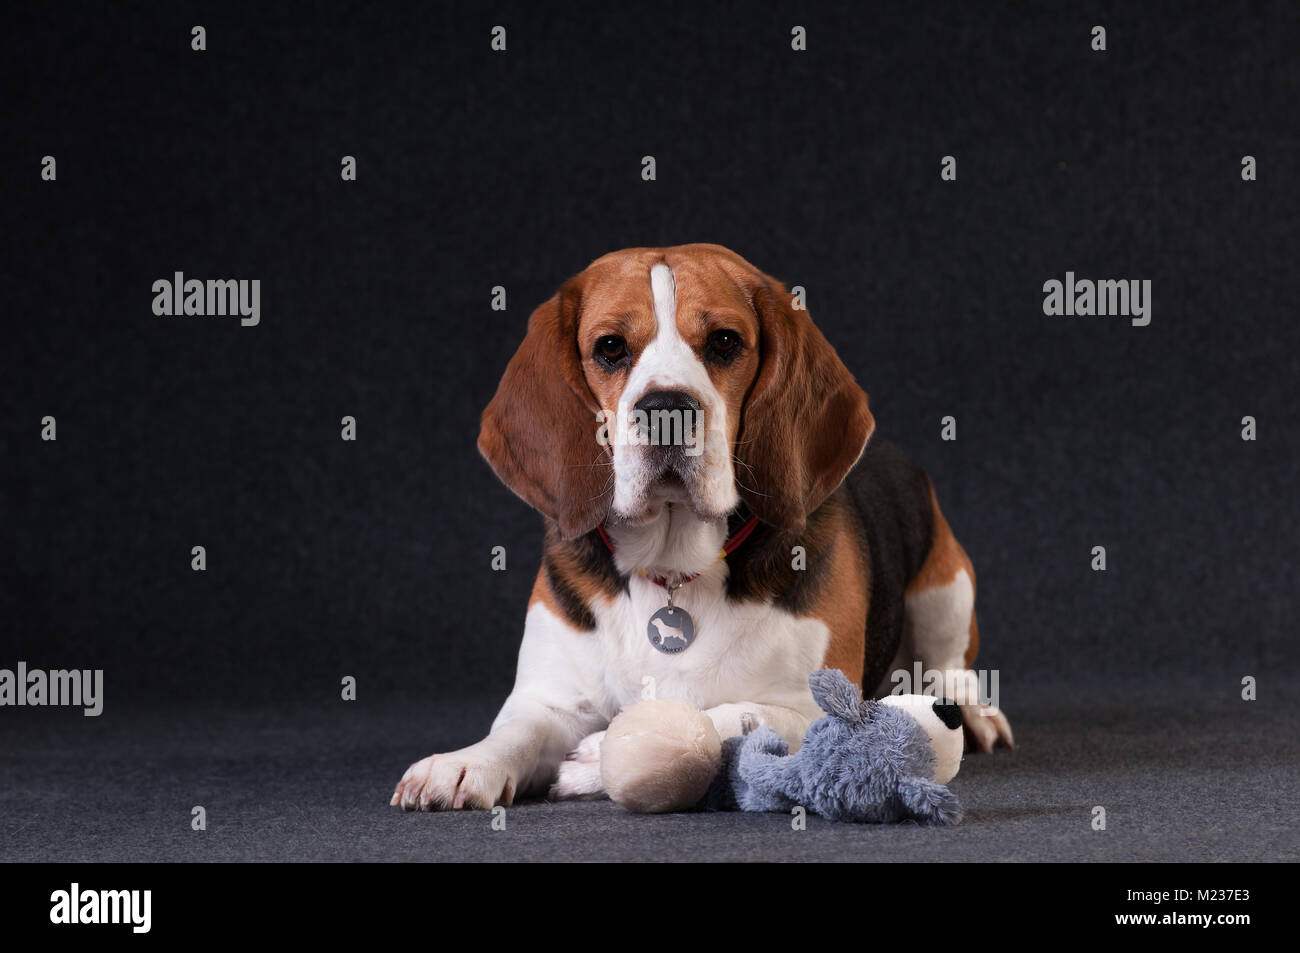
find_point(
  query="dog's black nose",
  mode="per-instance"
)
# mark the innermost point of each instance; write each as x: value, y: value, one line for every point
x: 669, y: 419
x: 948, y: 712
x: 661, y: 400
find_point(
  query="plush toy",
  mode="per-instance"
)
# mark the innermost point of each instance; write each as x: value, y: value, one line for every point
x: 659, y: 756
x: 866, y: 761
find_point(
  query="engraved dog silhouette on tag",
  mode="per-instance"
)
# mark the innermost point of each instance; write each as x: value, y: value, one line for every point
x: 671, y: 630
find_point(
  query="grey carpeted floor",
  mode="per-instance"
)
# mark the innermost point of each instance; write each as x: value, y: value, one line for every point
x: 1211, y: 780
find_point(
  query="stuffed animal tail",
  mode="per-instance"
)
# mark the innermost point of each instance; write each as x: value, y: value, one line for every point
x: 928, y: 801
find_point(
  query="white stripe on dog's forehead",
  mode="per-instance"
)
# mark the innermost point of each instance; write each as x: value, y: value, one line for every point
x: 668, y: 361
x: 663, y: 285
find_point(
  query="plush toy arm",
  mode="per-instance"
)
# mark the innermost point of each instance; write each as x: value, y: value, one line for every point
x: 928, y: 801
x: 765, y: 777
x: 731, y: 720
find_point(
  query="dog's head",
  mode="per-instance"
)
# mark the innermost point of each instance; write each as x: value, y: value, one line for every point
x: 678, y: 374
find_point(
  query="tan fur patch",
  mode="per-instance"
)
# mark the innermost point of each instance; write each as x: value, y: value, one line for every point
x: 941, y: 566
x: 542, y: 593
x: 575, y: 577
x: 843, y: 605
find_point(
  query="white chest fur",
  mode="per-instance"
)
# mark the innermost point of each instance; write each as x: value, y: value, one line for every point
x: 743, y: 652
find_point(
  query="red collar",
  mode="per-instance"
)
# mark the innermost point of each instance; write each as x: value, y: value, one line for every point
x: 729, y: 547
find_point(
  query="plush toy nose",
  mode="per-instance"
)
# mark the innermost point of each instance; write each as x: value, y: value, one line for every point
x: 948, y: 712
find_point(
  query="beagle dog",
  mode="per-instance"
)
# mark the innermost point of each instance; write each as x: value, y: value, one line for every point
x: 764, y: 538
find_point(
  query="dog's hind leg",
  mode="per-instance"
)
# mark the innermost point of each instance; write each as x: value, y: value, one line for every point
x: 940, y: 628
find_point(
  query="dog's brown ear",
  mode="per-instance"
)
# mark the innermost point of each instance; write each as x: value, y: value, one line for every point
x: 539, y: 432
x: 805, y: 421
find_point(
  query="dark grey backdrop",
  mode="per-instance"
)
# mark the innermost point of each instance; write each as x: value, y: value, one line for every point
x: 477, y: 169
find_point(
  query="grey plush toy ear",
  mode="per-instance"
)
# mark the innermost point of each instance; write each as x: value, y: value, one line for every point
x: 836, y: 695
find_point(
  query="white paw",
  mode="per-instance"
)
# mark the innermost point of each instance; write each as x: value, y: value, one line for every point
x: 469, y: 778
x: 732, y: 720
x: 579, y: 774
x: 588, y: 749
x: 577, y: 779
x: 986, y: 727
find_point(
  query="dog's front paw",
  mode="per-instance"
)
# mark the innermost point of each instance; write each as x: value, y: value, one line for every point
x: 579, y: 774
x: 986, y: 727
x: 469, y: 778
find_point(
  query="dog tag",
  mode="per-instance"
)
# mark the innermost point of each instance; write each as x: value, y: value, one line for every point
x: 671, y: 630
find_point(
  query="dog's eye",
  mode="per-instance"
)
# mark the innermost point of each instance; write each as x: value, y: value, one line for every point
x: 611, y: 348
x: 724, y: 345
